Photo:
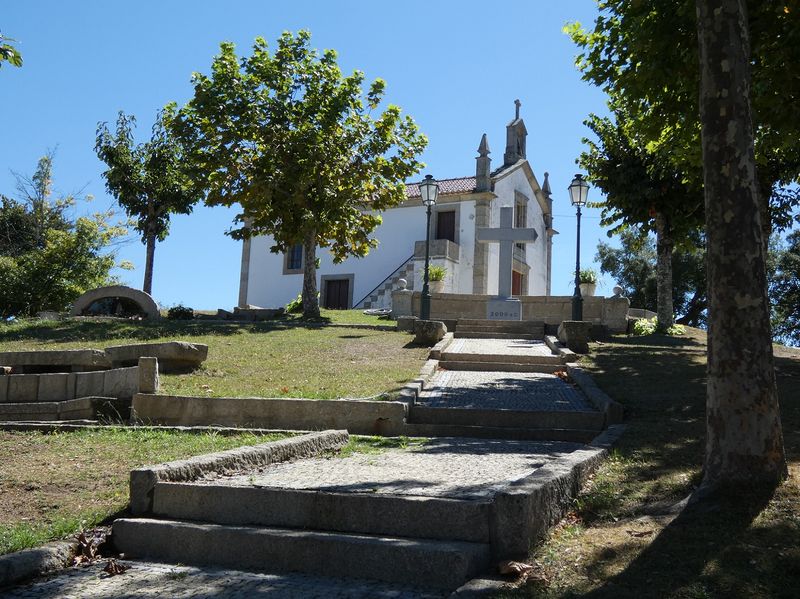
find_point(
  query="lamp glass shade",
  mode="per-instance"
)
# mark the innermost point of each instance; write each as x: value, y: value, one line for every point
x: 578, y: 191
x: 429, y: 190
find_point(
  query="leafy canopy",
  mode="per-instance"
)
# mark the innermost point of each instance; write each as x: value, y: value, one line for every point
x: 294, y: 143
x: 9, y: 53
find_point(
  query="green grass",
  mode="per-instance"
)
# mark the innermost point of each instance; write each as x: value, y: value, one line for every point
x: 620, y: 540
x: 282, y: 358
x: 57, y: 484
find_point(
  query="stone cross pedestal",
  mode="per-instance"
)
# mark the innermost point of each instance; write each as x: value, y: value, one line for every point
x: 504, y: 307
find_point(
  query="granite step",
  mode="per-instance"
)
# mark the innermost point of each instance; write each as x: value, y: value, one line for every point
x: 478, y: 366
x: 571, y: 435
x: 492, y: 329
x: 441, y: 564
x: 514, y: 419
x: 516, y: 358
x: 494, y: 335
x: 411, y: 516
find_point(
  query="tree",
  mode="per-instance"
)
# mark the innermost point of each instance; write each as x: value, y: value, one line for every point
x: 645, y: 56
x: 633, y: 266
x: 645, y: 192
x: 744, y: 442
x: 784, y: 288
x: 148, y: 180
x: 8, y: 53
x: 47, y: 260
x: 293, y: 142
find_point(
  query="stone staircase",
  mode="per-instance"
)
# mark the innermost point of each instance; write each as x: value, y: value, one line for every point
x: 381, y: 296
x: 475, y: 328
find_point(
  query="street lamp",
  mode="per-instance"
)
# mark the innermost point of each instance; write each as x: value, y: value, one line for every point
x: 429, y: 190
x: 578, y: 192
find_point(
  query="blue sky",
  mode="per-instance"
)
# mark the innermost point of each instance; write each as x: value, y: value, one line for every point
x: 455, y: 66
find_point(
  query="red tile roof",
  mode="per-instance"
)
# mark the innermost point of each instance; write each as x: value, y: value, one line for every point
x: 446, y: 186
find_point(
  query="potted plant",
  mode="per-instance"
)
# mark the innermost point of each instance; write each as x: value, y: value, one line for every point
x: 588, y: 281
x: 436, y: 276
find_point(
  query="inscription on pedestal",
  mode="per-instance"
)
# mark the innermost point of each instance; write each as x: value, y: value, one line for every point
x: 504, y: 309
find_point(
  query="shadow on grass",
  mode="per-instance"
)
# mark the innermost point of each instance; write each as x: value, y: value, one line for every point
x: 696, y: 549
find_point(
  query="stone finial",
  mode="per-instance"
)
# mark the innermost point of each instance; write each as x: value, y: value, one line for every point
x: 483, y: 167
x: 483, y: 148
x: 546, y: 186
x: 517, y: 104
x: 516, y: 136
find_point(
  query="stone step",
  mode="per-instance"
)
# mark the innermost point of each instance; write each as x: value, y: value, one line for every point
x: 442, y: 564
x: 476, y: 328
x: 368, y: 513
x: 499, y: 366
x: 525, y: 419
x: 484, y: 322
x: 494, y: 335
x: 422, y: 429
x: 517, y: 358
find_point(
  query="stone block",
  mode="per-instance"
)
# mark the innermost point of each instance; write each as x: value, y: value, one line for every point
x: 401, y: 303
x: 148, y: 375
x: 54, y: 387
x: 504, y: 309
x: 429, y: 332
x: 22, y: 388
x: 3, y: 388
x: 406, y: 323
x: 121, y: 382
x: 88, y: 384
x: 173, y: 356
x: 575, y: 334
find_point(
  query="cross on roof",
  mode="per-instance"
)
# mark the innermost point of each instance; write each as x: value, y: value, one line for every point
x: 506, y: 235
x: 517, y: 103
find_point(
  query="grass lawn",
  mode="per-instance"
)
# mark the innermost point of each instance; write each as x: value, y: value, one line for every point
x: 282, y: 358
x: 621, y: 541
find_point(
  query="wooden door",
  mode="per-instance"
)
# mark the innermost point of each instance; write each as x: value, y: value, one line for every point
x: 517, y: 279
x: 446, y: 225
x: 337, y: 292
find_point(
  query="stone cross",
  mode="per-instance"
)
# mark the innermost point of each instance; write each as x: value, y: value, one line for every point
x: 517, y: 104
x: 507, y: 236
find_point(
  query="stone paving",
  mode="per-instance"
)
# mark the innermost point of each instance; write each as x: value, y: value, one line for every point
x: 502, y: 347
x: 456, y: 468
x: 527, y: 391
x: 148, y: 579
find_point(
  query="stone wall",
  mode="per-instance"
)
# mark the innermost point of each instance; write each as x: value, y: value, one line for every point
x: 611, y: 312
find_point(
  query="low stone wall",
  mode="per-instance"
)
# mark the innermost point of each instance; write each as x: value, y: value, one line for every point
x: 25, y: 388
x: 357, y: 416
x: 610, y: 312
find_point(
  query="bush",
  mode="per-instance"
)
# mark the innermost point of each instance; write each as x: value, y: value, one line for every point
x: 296, y: 305
x: 436, y: 273
x: 180, y: 312
x: 644, y: 326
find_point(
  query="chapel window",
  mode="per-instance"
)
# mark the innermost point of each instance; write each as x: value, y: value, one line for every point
x: 294, y: 257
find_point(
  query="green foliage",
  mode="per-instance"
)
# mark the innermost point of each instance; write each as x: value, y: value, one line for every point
x: 148, y: 180
x: 8, y: 53
x: 180, y: 312
x: 645, y: 56
x: 46, y: 261
x: 784, y: 290
x: 436, y: 273
x: 643, y: 326
x: 587, y: 275
x: 633, y: 267
x: 292, y: 141
x: 295, y: 306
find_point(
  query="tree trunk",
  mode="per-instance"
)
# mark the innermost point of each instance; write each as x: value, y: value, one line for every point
x: 744, y: 442
x: 150, y: 243
x: 310, y: 298
x: 664, y: 247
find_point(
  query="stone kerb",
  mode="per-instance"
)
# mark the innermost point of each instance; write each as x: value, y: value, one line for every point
x: 120, y: 383
x: 143, y: 480
x: 142, y: 299
x: 173, y: 356
x: 62, y: 360
x: 357, y: 416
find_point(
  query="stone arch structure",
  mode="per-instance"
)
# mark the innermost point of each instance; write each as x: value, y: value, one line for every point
x: 147, y: 306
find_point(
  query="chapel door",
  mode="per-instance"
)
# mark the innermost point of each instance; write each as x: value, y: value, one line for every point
x: 337, y: 294
x: 446, y: 225
x: 516, y: 282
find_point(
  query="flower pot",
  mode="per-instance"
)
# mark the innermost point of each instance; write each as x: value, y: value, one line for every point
x: 587, y: 289
x: 436, y: 286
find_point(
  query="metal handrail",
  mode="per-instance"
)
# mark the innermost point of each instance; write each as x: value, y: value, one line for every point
x: 406, y: 261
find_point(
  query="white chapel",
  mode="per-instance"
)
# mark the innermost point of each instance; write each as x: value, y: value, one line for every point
x: 464, y: 204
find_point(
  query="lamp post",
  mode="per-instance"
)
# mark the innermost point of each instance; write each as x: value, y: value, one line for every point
x: 429, y: 190
x: 578, y: 192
